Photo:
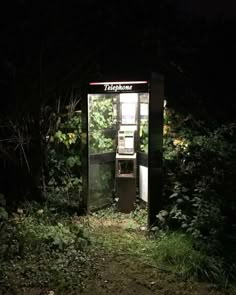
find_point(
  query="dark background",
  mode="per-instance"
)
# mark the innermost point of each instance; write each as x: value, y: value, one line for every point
x: 47, y: 47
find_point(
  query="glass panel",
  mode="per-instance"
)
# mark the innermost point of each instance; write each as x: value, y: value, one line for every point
x: 101, y: 184
x: 102, y: 123
x: 102, y: 118
x: 128, y: 103
x: 128, y: 111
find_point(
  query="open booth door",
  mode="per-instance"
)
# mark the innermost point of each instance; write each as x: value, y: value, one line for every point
x: 101, y: 149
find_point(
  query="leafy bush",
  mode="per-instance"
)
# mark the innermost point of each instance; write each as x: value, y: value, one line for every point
x: 199, y: 167
x: 64, y: 157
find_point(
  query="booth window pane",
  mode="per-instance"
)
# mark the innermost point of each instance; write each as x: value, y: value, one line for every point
x: 102, y: 118
x: 102, y: 123
x: 101, y: 185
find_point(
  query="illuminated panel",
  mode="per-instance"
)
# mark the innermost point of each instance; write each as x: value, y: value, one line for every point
x: 119, y: 87
x: 114, y: 83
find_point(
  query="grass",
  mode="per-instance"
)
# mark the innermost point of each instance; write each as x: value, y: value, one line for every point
x: 170, y: 251
x: 176, y: 252
x: 42, y: 248
x: 120, y: 232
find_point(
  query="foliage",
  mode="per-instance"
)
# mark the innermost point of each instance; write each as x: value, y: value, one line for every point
x: 199, y: 167
x: 101, y: 124
x: 64, y: 155
x: 43, y: 250
x: 57, y: 236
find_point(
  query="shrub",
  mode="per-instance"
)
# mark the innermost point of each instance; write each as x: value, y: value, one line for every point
x: 64, y: 161
x: 199, y: 173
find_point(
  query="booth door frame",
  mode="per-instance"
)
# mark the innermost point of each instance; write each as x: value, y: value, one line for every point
x: 155, y: 147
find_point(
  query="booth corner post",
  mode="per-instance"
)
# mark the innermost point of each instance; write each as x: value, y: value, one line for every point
x: 155, y: 147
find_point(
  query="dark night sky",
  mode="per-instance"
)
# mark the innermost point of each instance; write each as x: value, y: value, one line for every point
x: 108, y: 37
x: 210, y: 9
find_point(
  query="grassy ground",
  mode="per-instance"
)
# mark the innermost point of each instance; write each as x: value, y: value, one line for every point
x: 125, y: 260
x: 104, y: 253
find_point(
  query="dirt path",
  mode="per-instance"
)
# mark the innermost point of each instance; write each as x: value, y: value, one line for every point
x: 120, y: 271
x: 124, y: 275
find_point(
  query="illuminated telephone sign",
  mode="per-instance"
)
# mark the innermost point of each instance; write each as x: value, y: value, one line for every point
x: 119, y: 87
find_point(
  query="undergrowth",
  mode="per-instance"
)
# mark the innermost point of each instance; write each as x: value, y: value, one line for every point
x: 43, y: 249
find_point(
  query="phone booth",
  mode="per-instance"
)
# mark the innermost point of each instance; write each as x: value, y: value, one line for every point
x: 122, y: 131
